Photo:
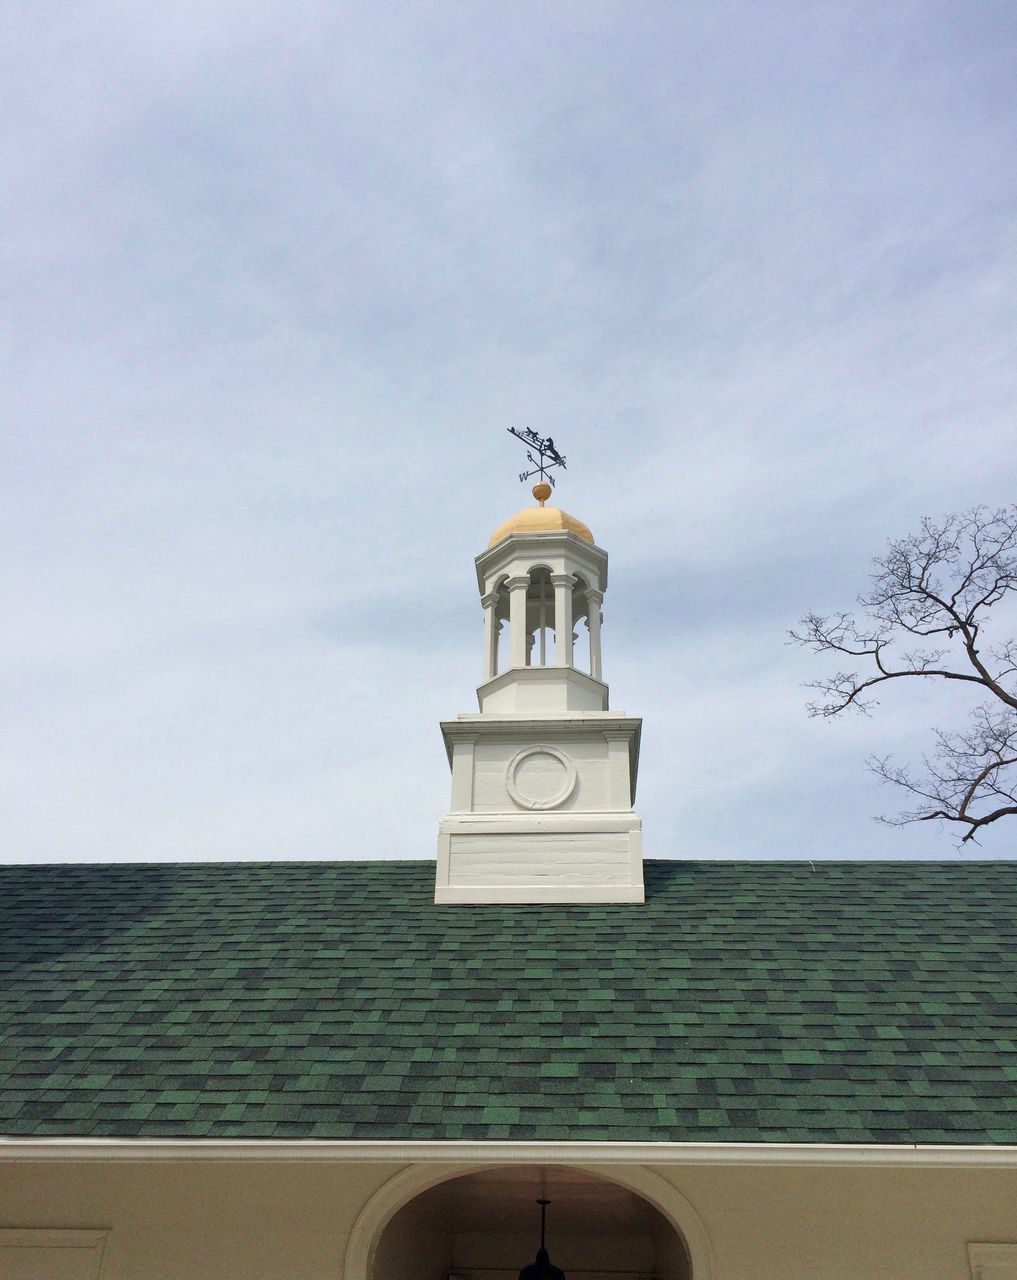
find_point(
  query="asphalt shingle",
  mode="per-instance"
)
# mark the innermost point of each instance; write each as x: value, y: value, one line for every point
x: 765, y: 1001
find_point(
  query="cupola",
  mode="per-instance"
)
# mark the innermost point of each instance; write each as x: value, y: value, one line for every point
x: 539, y: 581
x: 544, y: 774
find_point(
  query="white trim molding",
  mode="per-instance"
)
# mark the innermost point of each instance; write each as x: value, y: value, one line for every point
x: 764, y: 1154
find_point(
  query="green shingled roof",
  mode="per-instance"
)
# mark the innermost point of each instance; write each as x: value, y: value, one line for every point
x: 763, y: 1001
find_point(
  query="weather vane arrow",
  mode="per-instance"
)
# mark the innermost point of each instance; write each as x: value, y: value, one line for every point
x: 546, y: 459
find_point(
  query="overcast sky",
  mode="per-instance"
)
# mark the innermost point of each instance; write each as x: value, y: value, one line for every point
x: 278, y: 276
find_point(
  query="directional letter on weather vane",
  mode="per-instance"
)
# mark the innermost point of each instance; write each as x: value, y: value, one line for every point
x: 545, y: 450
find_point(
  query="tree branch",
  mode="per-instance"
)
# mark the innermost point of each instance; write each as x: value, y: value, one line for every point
x: 941, y: 582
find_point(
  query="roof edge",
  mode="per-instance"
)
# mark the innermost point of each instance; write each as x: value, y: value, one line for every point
x: 699, y: 1153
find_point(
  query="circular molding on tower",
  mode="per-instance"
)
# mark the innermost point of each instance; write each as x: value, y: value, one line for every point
x: 540, y: 778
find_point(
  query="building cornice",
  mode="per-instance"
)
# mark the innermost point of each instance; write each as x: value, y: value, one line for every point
x: 761, y: 1154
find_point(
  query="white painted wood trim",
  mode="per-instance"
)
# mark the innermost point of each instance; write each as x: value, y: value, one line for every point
x: 620, y: 769
x: 583, y: 821
x: 463, y: 751
x: 526, y: 726
x: 446, y: 895
x: 766, y: 1154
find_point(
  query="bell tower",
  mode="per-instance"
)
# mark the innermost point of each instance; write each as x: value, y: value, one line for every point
x: 544, y: 775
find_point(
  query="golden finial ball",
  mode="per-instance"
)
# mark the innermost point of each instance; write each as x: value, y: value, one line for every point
x: 542, y: 491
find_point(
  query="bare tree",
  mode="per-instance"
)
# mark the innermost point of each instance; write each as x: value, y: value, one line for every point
x: 923, y: 619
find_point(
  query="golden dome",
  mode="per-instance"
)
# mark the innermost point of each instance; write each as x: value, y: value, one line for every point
x: 541, y: 520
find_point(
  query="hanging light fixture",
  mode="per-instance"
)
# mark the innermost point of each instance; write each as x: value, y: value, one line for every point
x: 542, y: 1268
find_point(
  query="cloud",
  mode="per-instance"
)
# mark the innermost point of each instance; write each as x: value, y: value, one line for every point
x: 278, y: 278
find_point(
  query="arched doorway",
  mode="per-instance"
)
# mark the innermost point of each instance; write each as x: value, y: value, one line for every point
x: 485, y: 1225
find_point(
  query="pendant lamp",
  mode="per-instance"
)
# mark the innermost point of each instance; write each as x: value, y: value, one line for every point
x: 542, y: 1268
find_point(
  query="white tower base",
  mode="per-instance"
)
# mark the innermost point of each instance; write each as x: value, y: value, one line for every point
x: 541, y: 810
x: 562, y: 858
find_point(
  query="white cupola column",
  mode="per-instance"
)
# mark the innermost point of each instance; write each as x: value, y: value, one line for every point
x: 517, y: 588
x: 563, y: 648
x: 491, y: 628
x: 594, y: 600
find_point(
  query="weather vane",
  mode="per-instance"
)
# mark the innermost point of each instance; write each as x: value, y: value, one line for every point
x: 547, y: 456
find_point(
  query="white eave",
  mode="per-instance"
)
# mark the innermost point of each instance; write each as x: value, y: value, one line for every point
x: 759, y: 1154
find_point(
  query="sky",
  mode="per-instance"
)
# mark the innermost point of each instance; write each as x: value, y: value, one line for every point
x: 277, y: 278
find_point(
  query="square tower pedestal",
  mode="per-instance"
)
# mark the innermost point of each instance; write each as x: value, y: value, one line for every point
x: 541, y: 810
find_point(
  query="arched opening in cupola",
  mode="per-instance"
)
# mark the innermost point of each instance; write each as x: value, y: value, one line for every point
x: 540, y: 618
x: 486, y: 1226
x: 500, y: 637
x: 581, y: 625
